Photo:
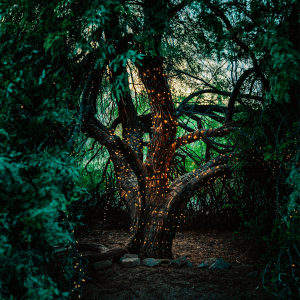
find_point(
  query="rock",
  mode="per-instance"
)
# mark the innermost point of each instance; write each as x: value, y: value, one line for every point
x: 188, y: 265
x: 127, y: 260
x: 202, y: 266
x: 130, y: 262
x: 220, y: 264
x: 214, y: 263
x: 178, y: 262
x: 128, y: 256
x: 91, y: 247
x: 210, y: 261
x: 151, y: 262
x: 113, y: 254
x: 243, y: 269
x: 253, y: 274
x: 207, y: 263
x: 101, y: 265
x: 165, y: 261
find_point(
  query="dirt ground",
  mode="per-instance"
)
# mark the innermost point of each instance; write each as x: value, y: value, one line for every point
x: 167, y: 283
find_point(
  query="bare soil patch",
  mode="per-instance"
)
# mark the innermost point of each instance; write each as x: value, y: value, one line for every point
x: 168, y: 283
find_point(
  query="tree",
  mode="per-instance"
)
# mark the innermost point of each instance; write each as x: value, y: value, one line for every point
x: 154, y: 203
x: 88, y: 58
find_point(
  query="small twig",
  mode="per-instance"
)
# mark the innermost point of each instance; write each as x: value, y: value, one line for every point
x: 60, y: 134
x: 243, y: 254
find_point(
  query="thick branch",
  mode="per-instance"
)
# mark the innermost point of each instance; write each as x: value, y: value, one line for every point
x: 184, y: 186
x: 202, y: 133
x: 114, y: 142
x: 206, y: 109
x: 212, y: 144
x: 201, y: 110
x: 163, y: 112
x: 183, y: 104
x: 186, y: 100
x: 235, y: 93
x: 145, y: 120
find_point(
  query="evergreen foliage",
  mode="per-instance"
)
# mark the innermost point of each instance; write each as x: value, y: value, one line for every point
x: 36, y: 167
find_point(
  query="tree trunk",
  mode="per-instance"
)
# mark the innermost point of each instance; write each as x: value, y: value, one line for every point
x: 153, y: 235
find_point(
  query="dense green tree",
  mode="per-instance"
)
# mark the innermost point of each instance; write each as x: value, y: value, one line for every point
x: 36, y: 166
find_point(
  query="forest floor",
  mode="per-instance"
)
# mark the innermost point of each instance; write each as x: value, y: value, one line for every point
x: 167, y: 283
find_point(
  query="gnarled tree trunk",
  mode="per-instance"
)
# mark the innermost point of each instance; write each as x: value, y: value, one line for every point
x: 155, y: 203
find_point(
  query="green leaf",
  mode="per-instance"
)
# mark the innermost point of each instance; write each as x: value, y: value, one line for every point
x: 42, y: 77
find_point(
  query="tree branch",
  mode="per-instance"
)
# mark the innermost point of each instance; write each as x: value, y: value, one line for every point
x: 215, y: 91
x: 187, y: 99
x: 202, y: 133
x: 184, y: 186
x: 206, y: 83
x: 113, y: 142
x: 235, y: 93
x: 209, y: 143
x: 219, y: 13
x: 144, y: 119
x: 83, y: 108
x: 205, y: 140
x: 43, y: 143
x: 234, y: 37
x: 198, y: 109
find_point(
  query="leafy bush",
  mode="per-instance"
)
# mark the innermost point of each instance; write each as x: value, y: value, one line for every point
x: 31, y: 187
x: 281, y: 275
